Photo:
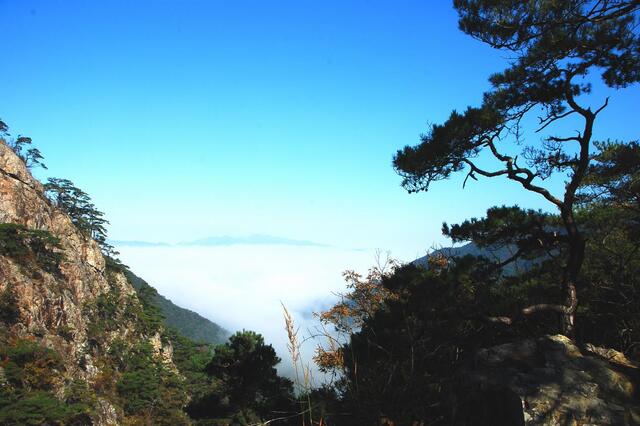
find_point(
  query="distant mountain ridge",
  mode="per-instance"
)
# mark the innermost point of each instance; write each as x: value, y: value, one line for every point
x: 188, y: 323
x: 496, y: 254
x: 224, y: 240
x: 259, y: 239
x: 135, y: 243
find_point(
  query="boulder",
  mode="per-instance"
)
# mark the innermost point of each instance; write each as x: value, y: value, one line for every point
x: 550, y: 381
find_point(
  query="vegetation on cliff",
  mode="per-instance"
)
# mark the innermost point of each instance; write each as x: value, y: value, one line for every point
x: 101, y: 348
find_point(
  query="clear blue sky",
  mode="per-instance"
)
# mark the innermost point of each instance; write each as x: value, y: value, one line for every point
x: 185, y: 119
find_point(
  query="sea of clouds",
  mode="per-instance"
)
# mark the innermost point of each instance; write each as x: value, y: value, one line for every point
x: 241, y: 286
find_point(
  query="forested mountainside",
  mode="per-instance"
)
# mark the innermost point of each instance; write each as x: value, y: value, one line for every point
x: 188, y: 323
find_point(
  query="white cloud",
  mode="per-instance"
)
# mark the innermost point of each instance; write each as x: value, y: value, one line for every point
x: 241, y: 286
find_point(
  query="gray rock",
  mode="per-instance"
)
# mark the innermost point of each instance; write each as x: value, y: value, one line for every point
x: 555, y: 382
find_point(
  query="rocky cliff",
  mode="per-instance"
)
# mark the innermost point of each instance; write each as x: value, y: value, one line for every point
x: 69, y: 320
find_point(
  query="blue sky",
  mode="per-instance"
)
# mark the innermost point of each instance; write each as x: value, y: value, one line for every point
x: 187, y: 119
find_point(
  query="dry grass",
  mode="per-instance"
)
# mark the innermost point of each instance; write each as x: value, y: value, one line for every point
x: 304, y: 386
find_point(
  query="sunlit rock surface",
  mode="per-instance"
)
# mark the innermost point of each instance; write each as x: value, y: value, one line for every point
x: 55, y: 306
x: 551, y: 381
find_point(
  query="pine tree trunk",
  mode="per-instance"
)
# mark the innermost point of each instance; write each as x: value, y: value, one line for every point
x: 572, y: 273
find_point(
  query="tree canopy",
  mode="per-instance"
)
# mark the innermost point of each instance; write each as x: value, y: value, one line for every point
x: 83, y: 213
x: 22, y: 146
x: 406, y: 358
x: 247, y: 387
x: 557, y: 47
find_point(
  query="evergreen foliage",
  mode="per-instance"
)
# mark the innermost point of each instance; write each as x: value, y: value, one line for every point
x: 149, y: 390
x: 246, y: 387
x: 187, y: 323
x: 9, y: 310
x: 83, y: 213
x: 404, y: 358
x: 191, y: 359
x: 133, y: 374
x: 30, y: 247
x: 21, y: 145
x: 556, y: 46
x: 31, y: 372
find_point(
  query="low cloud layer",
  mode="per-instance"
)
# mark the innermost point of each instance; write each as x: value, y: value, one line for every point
x: 241, y: 286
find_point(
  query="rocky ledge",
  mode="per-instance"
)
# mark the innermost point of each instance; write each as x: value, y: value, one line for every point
x: 551, y: 381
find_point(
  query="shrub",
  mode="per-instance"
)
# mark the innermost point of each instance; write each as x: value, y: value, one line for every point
x: 9, y: 312
x: 30, y: 246
x: 35, y: 408
x: 65, y: 332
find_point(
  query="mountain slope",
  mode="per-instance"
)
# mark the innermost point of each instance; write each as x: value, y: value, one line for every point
x: 188, y: 323
x: 77, y: 344
x: 495, y: 254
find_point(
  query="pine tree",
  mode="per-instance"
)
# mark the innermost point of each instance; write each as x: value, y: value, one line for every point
x: 83, y: 213
x: 22, y: 147
x: 557, y: 47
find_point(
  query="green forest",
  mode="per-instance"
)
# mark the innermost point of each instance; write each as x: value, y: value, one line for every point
x: 397, y: 345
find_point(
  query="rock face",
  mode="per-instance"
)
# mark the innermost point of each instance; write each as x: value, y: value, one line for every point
x: 59, y: 307
x: 550, y: 381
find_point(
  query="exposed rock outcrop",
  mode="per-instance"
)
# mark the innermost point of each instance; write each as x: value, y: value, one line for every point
x: 59, y: 307
x: 550, y: 381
